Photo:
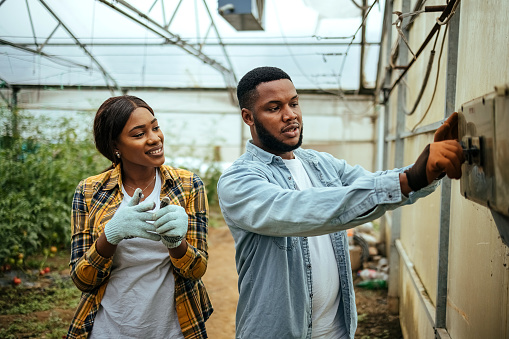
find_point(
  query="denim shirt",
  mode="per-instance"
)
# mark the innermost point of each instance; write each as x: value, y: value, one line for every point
x: 270, y: 221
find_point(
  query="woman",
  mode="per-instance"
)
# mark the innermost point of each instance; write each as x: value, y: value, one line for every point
x: 138, y: 264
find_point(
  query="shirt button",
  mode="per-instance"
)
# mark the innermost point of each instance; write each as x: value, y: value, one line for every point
x: 289, y: 178
x: 309, y: 266
x: 311, y: 295
x: 390, y: 196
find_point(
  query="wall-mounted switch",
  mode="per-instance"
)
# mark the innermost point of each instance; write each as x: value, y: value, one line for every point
x: 484, y: 135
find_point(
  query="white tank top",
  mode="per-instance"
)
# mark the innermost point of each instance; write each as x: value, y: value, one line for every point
x: 138, y: 301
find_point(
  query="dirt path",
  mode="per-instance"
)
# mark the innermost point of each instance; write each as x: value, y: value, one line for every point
x: 221, y: 283
x: 375, y: 322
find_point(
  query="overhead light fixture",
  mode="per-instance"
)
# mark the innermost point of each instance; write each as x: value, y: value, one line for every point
x: 243, y: 15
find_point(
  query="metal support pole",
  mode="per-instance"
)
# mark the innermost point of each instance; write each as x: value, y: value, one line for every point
x: 445, y: 205
x: 14, y: 110
x: 393, y: 293
x: 384, y: 115
x: 363, y: 46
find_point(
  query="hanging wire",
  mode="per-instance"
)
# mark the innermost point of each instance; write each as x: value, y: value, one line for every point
x: 340, y: 93
x: 342, y: 67
x: 292, y: 55
x: 426, y: 77
x: 351, y: 43
x: 399, y: 22
x: 436, y: 79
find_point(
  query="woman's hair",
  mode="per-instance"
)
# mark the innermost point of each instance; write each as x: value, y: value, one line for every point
x: 110, y: 120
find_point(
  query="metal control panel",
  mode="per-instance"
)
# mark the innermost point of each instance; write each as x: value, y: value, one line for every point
x: 484, y: 135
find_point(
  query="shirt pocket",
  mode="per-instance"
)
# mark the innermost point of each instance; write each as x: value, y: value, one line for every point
x: 285, y: 243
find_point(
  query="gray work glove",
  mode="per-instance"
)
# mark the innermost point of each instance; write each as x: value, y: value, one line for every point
x: 131, y: 221
x: 171, y: 223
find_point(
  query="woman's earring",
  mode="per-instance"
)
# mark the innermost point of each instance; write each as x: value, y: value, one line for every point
x: 118, y: 154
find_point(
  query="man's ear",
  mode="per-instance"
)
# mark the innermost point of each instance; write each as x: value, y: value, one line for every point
x: 247, y: 116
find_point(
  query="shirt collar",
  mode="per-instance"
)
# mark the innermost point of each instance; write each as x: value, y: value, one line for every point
x: 267, y: 157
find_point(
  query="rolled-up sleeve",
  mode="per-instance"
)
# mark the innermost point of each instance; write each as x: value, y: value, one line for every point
x: 193, y: 264
x: 252, y: 199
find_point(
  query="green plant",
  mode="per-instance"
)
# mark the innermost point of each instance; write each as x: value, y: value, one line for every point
x: 42, y: 162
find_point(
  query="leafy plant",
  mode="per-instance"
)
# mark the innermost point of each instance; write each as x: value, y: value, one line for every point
x: 42, y: 162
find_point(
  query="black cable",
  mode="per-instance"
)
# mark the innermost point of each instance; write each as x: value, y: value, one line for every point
x: 426, y: 77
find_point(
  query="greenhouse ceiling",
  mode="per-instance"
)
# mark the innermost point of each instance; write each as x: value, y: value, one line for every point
x: 324, y: 45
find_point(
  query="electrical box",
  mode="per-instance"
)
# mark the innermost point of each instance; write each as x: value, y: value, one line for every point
x: 484, y: 134
x: 243, y: 15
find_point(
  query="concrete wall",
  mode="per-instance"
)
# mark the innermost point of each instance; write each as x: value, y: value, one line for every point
x: 195, y: 121
x: 478, y: 262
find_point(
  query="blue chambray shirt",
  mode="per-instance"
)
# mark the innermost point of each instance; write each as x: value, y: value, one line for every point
x: 270, y: 221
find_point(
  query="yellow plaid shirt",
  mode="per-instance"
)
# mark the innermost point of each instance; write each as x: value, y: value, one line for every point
x: 95, y: 201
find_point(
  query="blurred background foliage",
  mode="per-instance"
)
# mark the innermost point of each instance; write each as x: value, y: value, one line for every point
x: 42, y: 161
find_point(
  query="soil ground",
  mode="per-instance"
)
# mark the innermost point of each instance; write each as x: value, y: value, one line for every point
x: 221, y: 281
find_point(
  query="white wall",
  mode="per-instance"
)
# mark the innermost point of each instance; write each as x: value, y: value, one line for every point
x: 195, y: 121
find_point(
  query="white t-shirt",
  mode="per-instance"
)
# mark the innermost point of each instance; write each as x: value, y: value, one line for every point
x: 138, y: 301
x: 327, y: 321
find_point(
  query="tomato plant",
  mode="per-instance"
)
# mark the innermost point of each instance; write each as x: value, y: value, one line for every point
x: 39, y: 171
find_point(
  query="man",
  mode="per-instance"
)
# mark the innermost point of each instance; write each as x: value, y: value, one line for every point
x: 287, y: 209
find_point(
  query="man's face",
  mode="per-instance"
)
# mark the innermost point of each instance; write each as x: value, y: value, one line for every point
x: 276, y: 119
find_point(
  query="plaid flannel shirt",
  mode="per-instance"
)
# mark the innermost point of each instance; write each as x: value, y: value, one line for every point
x: 95, y: 201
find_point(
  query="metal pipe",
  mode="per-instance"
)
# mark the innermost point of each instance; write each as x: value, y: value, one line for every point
x: 417, y: 282
x: 445, y: 205
x: 439, y: 8
x: 31, y: 22
x: 12, y: 44
x: 363, y: 47
x: 48, y: 38
x: 233, y: 44
x: 393, y: 293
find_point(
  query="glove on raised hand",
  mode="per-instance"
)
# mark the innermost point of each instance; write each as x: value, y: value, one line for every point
x: 171, y: 223
x: 131, y: 221
x: 448, y: 130
x: 437, y: 159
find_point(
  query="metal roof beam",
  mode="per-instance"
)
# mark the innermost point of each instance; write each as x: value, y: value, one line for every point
x: 231, y: 81
x: 171, y: 38
x: 31, y: 23
x: 76, y: 40
x: 33, y: 51
x: 48, y: 38
x: 233, y: 44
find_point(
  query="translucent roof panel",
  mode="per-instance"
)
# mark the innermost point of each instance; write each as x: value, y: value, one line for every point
x: 186, y: 44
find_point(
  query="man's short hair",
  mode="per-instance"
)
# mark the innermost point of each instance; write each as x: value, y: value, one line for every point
x: 246, y: 89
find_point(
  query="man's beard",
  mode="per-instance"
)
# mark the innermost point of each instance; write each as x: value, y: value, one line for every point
x: 271, y: 143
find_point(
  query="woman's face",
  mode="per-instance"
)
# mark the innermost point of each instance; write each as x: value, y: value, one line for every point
x: 141, y: 141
